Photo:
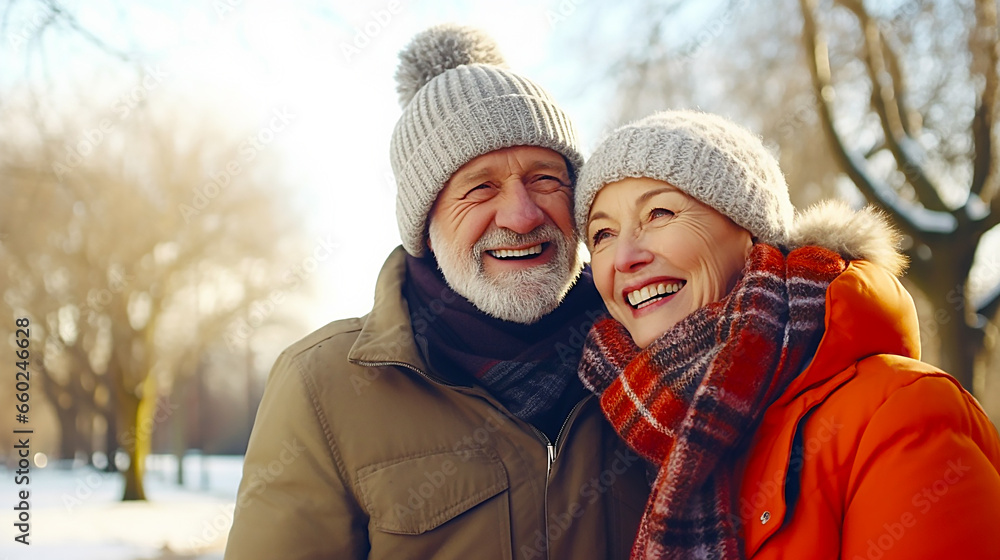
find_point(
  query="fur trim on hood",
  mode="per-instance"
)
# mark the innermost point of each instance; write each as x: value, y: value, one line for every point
x: 864, y: 234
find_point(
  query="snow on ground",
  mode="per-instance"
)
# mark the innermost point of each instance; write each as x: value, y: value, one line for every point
x: 77, y: 513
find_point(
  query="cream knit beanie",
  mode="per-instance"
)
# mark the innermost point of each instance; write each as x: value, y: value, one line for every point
x: 459, y: 102
x: 708, y: 157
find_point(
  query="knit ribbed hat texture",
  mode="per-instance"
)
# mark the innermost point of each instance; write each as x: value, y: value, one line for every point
x: 708, y: 157
x: 459, y: 102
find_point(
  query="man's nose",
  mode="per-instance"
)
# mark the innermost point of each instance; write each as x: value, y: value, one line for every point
x: 517, y: 210
x: 631, y: 253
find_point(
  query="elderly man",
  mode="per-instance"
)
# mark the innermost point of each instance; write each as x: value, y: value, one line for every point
x: 449, y: 421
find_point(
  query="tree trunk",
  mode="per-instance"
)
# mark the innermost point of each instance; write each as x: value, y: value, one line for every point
x: 943, y: 280
x: 986, y: 356
x: 111, y: 444
x: 180, y: 449
x: 959, y: 342
x: 85, y: 428
x: 84, y: 423
x: 67, y: 431
x: 57, y: 394
x: 137, y: 417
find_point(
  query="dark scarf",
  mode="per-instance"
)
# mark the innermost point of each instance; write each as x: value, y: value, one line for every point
x: 691, y: 400
x: 530, y: 369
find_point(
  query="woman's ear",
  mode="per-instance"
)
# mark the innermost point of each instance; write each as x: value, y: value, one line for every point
x: 751, y: 242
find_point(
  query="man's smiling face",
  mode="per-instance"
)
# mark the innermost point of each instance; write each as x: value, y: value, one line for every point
x: 502, y: 232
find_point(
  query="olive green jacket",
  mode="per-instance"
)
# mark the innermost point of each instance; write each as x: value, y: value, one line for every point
x: 359, y: 451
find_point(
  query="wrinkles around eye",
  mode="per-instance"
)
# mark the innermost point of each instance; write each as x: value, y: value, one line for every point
x: 479, y: 192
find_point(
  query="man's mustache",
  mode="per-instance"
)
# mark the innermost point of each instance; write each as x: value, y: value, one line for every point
x: 500, y: 238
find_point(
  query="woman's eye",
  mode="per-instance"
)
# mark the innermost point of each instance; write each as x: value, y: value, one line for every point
x: 600, y: 235
x: 659, y: 213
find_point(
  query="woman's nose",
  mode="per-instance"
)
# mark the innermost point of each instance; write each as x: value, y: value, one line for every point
x: 631, y: 254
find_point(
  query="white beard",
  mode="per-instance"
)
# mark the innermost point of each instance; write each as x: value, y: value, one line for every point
x: 521, y: 296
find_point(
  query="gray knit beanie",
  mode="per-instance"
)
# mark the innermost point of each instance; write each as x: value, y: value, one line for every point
x: 460, y: 102
x: 708, y: 157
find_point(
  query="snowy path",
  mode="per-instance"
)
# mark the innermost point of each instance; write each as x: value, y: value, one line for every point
x: 76, y: 513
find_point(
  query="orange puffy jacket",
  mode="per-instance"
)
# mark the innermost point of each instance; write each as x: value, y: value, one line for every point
x: 870, y: 454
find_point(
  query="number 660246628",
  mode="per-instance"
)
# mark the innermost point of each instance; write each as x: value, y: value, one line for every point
x: 22, y: 376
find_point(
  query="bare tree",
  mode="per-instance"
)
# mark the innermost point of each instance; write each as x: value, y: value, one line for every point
x: 888, y: 158
x: 919, y: 142
x: 133, y: 244
x: 733, y: 60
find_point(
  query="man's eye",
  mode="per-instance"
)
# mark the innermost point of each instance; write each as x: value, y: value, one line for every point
x: 479, y: 190
x: 659, y: 213
x: 547, y: 182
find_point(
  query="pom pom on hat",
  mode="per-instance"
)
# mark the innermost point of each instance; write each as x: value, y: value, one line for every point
x: 441, y: 48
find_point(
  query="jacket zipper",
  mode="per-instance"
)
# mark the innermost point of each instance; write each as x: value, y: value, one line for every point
x: 550, y: 459
x: 402, y: 364
x: 551, y: 448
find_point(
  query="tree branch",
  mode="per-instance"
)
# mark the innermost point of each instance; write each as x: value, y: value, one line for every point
x: 914, y: 220
x: 984, y: 47
x: 5, y: 19
x: 887, y: 101
x: 70, y: 20
x: 889, y: 53
x: 50, y: 387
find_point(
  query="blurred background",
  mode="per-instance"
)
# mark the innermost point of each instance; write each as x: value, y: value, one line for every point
x: 188, y: 187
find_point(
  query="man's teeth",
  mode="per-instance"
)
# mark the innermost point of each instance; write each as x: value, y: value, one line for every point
x: 648, y: 294
x: 515, y: 253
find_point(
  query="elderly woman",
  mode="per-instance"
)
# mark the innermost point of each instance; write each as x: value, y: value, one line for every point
x: 767, y: 366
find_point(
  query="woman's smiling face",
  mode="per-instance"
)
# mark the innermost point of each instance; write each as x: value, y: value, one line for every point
x: 658, y: 255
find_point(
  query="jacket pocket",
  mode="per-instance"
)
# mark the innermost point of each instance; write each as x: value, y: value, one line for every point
x: 414, y: 495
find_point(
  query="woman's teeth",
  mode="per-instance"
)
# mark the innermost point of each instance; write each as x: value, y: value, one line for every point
x: 516, y: 253
x: 648, y: 294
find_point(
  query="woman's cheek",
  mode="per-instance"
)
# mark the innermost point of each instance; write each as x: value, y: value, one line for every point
x: 604, y: 280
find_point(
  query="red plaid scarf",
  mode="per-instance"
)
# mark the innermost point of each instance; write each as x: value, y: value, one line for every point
x: 690, y: 401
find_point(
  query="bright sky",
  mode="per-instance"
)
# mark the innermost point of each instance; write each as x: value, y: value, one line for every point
x: 330, y: 67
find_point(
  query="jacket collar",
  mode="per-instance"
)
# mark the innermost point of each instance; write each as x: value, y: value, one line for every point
x: 387, y: 333
x: 868, y: 312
